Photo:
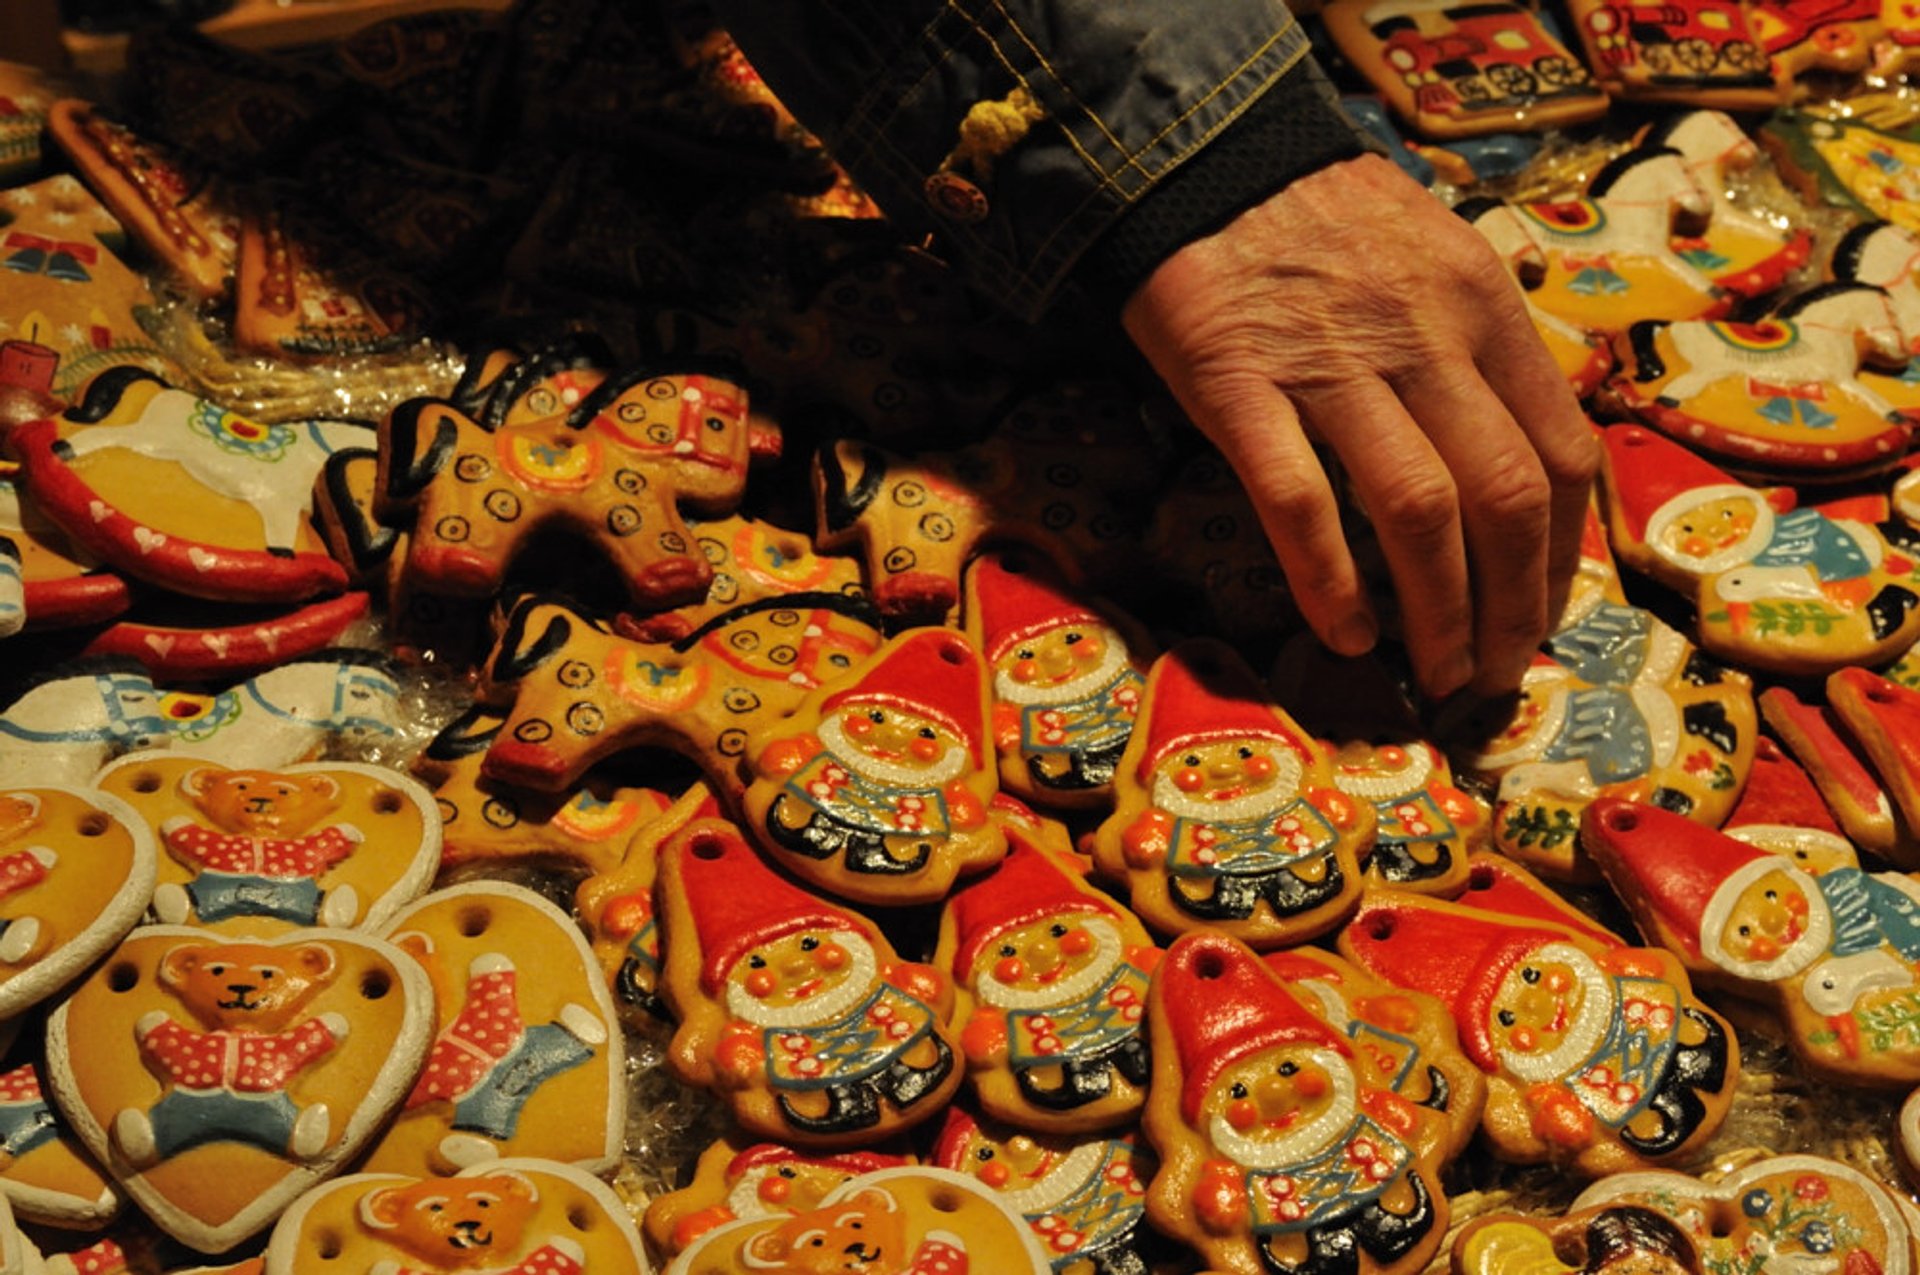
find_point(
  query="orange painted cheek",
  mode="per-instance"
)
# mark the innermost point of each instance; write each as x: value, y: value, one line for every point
x: 995, y: 1174
x: 1026, y: 670
x: 1558, y: 981
x: 761, y: 984
x: 926, y: 749
x: 1009, y: 969
x: 1762, y: 948
x: 857, y: 725
x: 1189, y: 779
x: 831, y: 956
x: 1309, y: 1084
x: 1522, y: 1038
x: 775, y: 1189
x: 1242, y: 1114
x: 1076, y: 943
x: 1259, y: 766
x: 1796, y: 905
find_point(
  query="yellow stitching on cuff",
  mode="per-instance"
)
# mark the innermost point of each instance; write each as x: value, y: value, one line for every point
x: 991, y: 129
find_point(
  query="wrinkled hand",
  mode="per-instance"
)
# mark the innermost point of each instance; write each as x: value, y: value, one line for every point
x: 1354, y: 309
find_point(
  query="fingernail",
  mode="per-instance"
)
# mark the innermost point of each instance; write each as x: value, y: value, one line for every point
x: 1453, y: 673
x: 1356, y: 634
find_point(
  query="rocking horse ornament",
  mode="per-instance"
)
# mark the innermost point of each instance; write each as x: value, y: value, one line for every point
x: 795, y: 1011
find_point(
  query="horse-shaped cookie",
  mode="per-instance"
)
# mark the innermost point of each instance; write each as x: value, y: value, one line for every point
x: 1739, y: 249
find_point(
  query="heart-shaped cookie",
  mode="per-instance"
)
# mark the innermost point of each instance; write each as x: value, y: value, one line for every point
x: 43, y: 1172
x: 217, y: 1079
x: 504, y: 1216
x: 76, y: 871
x: 257, y: 851
x: 528, y: 1059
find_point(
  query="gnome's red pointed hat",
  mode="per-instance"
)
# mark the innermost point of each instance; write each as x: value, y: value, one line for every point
x: 950, y: 1148
x: 1687, y: 877
x: 1221, y: 1004
x: 1459, y: 955
x: 1200, y: 692
x: 1651, y: 480
x: 739, y: 902
x: 1027, y: 886
x: 934, y: 673
x: 1019, y: 597
x: 1779, y: 792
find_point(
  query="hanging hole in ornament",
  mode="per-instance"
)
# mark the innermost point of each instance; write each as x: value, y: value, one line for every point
x: 374, y: 985
x: 954, y: 651
x: 147, y: 781
x: 387, y: 802
x: 94, y: 824
x: 1621, y: 818
x: 328, y: 1244
x: 580, y: 1217
x: 1481, y: 876
x: 1379, y: 925
x: 945, y: 1200
x: 1209, y: 965
x: 1880, y: 694
x: 123, y: 977
x: 707, y: 846
x: 474, y: 921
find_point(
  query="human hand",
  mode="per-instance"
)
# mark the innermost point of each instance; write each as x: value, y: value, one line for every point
x: 1354, y: 309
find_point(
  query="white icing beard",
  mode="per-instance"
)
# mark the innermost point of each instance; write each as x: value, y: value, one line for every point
x: 1800, y: 954
x: 893, y: 774
x: 1066, y: 991
x: 1296, y: 1145
x: 1720, y: 559
x: 1583, y: 1035
x: 1410, y: 778
x: 862, y: 971
x: 1282, y: 788
x: 1009, y: 691
x: 1060, y: 1180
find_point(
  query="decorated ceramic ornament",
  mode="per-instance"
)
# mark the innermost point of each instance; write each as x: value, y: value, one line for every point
x: 736, y: 1182
x: 1700, y: 53
x: 1451, y: 74
x: 1610, y: 256
x: 1847, y: 164
x: 259, y: 851
x: 1226, y: 812
x: 68, y: 293
x: 61, y: 586
x: 1050, y: 980
x: 1818, y: 35
x: 176, y: 210
x: 1401, y: 1040
x: 1883, y: 719
x: 1274, y: 1146
x: 305, y: 290
x: 182, y: 492
x: 1887, y: 256
x: 1617, y: 703
x: 1833, y: 953
x: 1740, y: 249
x: 1598, y: 1056
x: 916, y: 1218
x: 1846, y: 781
x: 580, y: 693
x: 486, y: 822
x: 25, y: 94
x: 876, y: 789
x: 617, y: 906
x: 690, y: 424
x: 914, y: 523
x: 64, y: 724
x: 472, y: 497
x: 1791, y: 591
x: 504, y: 1217
x: 1780, y: 396
x: 211, y: 644
x: 44, y: 1173
x: 218, y: 1080
x: 528, y: 1058
x: 1583, y: 357
x: 76, y: 872
x: 1785, y: 1210
x: 1066, y: 681
x: 1603, y: 1241
x: 1781, y: 812
x: 752, y: 561
x: 794, y: 1011
x: 1084, y: 1196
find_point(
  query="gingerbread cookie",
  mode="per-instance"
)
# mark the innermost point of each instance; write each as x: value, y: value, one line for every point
x: 508, y: 1217
x: 69, y: 295
x: 734, y: 1182
x: 1820, y: 742
x: 76, y: 871
x: 258, y: 851
x: 1050, y: 980
x: 1452, y: 74
x: 61, y: 586
x: 1780, y: 396
x: 1833, y: 953
x: 1403, y: 1040
x: 928, y: 1219
x: 617, y: 905
x: 580, y: 693
x: 528, y: 1059
x: 1274, y: 1145
x: 1739, y: 249
x: 1781, y: 812
x: 1887, y: 256
x: 1226, y: 812
x: 752, y: 562
x: 44, y: 1173
x: 1598, y: 1056
x: 182, y: 492
x: 1883, y: 717
x: 1848, y: 164
x: 794, y: 1011
x: 1084, y: 1196
x: 1605, y: 1241
x: 1705, y: 54
x: 876, y: 789
x: 1066, y: 680
x: 304, y: 289
x: 311, y: 1039
x: 1583, y: 357
x: 1786, y: 590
